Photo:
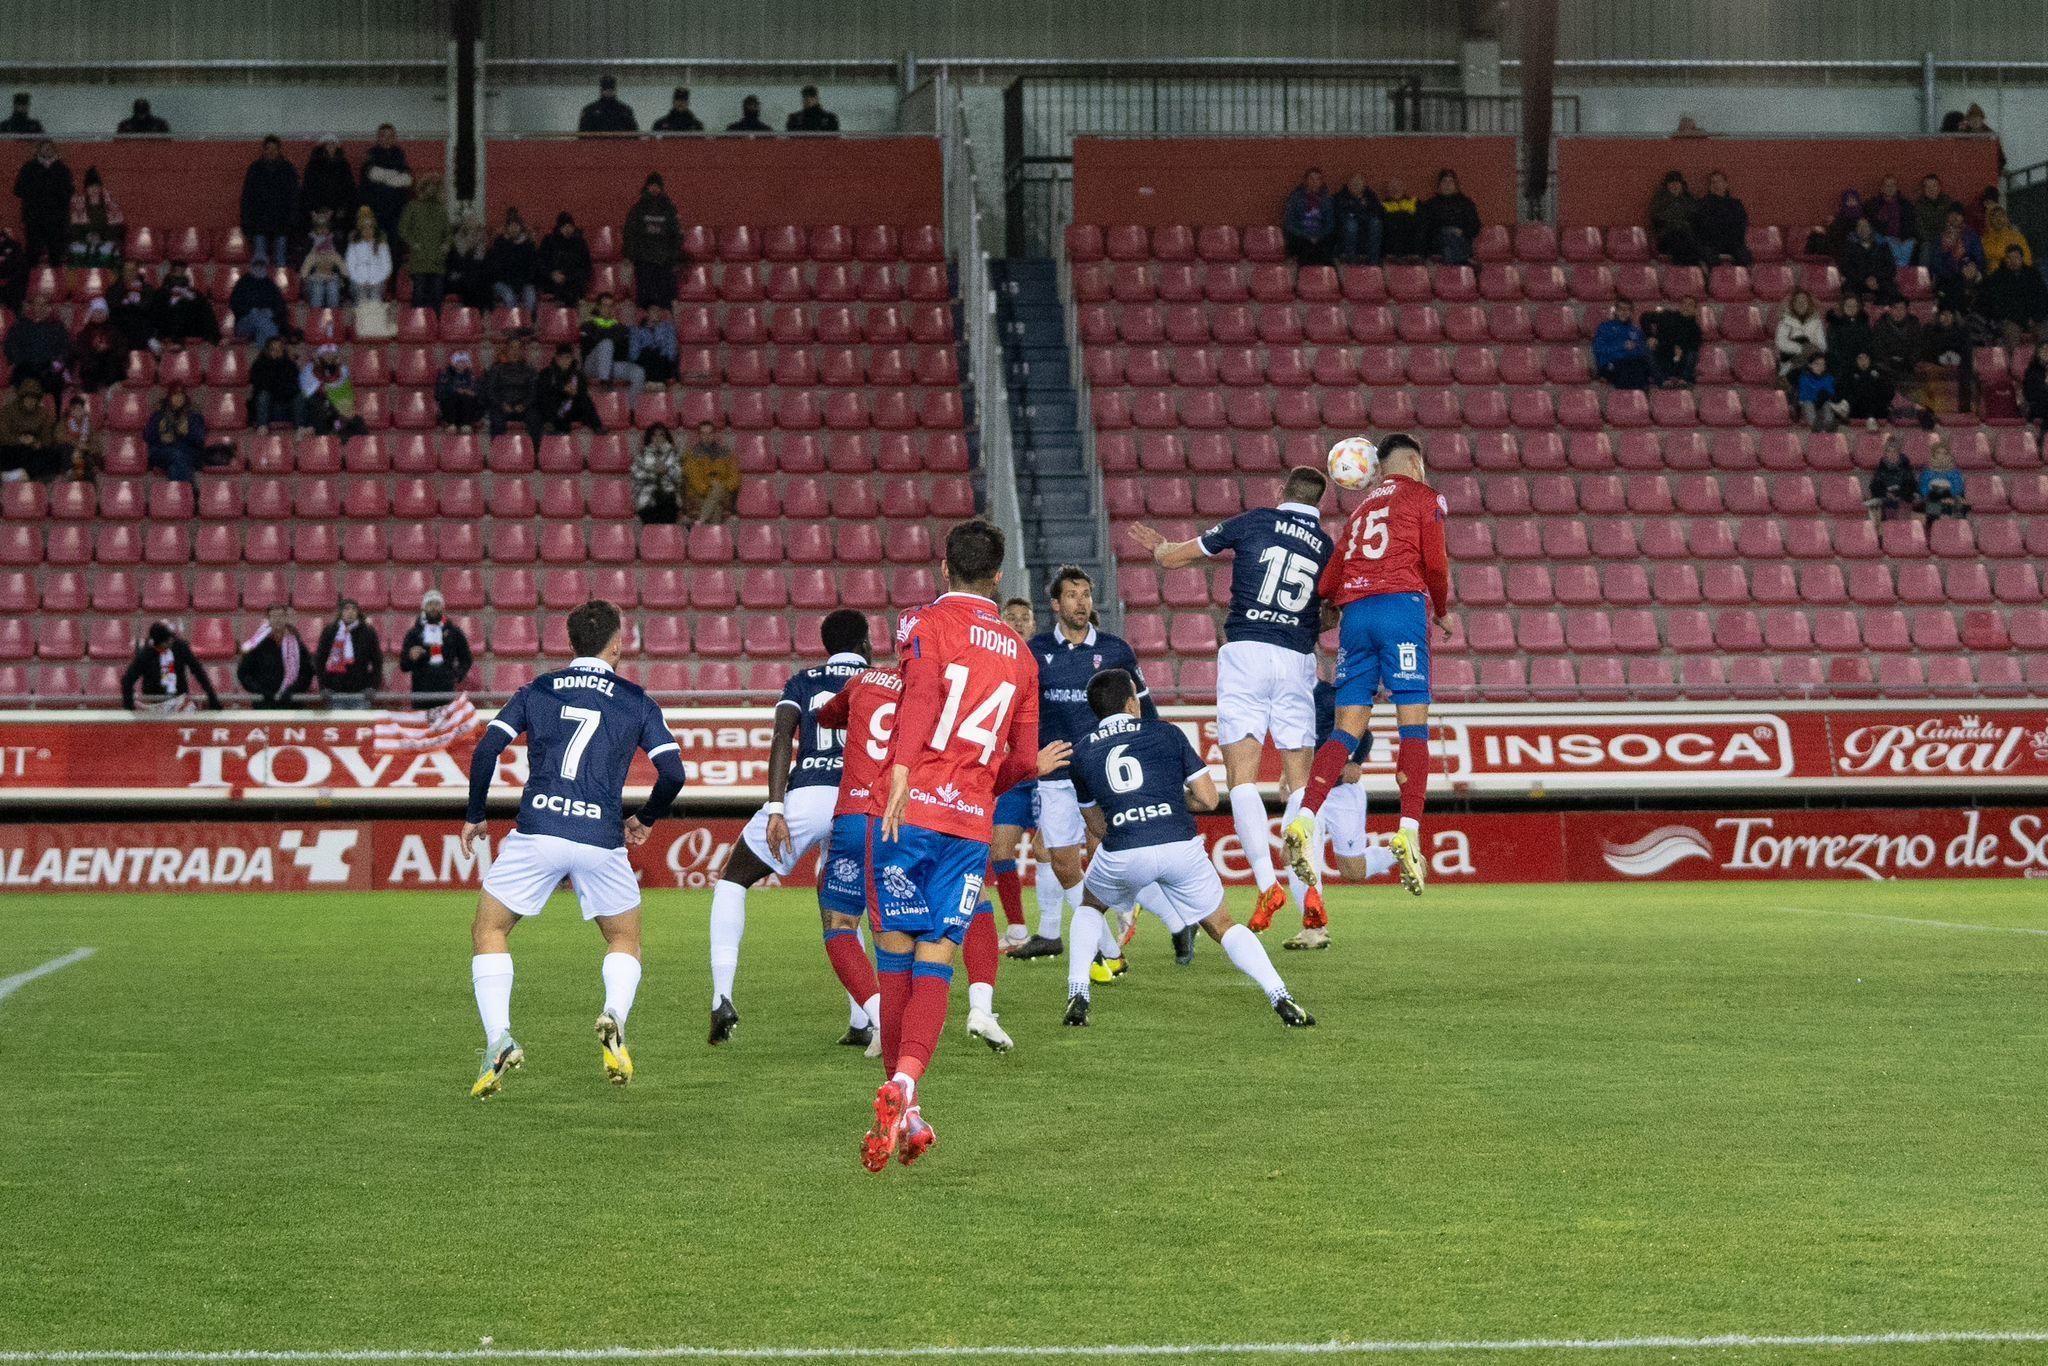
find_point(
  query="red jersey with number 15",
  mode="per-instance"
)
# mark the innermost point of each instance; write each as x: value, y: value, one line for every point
x: 968, y: 725
x: 865, y: 710
x: 1393, y: 543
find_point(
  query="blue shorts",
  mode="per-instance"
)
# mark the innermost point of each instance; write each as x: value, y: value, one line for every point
x: 1384, y: 639
x: 843, y: 866
x: 1019, y: 806
x: 927, y: 884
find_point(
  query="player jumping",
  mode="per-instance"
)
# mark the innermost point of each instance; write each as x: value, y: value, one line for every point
x: 583, y: 725
x: 1266, y: 670
x: 1388, y: 578
x: 1133, y: 776
x: 1341, y: 823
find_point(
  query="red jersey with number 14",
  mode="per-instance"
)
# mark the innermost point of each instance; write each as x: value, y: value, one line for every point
x: 1393, y: 543
x: 865, y: 710
x: 968, y: 725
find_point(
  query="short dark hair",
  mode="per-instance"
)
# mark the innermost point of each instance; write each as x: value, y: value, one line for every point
x: 269, y: 139
x: 1395, y: 442
x: 809, y: 92
x: 592, y: 626
x: 1008, y: 603
x: 845, y: 631
x: 1110, y: 691
x: 681, y: 92
x: 1064, y: 575
x: 974, y: 551
x: 1306, y: 484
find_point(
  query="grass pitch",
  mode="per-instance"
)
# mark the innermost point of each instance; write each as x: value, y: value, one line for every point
x: 1528, y: 1112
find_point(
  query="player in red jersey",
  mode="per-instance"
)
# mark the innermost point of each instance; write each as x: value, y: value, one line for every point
x: 1388, y: 578
x: 966, y: 730
x: 863, y: 711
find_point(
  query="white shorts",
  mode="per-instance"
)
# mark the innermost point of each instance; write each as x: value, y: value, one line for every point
x: 1264, y: 690
x: 528, y: 868
x: 1189, y: 890
x: 1343, y: 818
x: 808, y: 813
x: 1059, y: 815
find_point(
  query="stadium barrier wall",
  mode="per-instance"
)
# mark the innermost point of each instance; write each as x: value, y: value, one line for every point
x: 1608, y: 181
x: 1239, y: 180
x: 295, y: 760
x: 1548, y: 846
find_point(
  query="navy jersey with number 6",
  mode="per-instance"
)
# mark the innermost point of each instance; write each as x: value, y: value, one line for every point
x: 1137, y: 770
x: 1278, y: 555
x: 819, y: 752
x: 583, y: 725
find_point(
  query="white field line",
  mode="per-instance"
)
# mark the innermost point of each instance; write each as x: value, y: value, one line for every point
x: 1242, y: 1349
x: 10, y: 985
x: 1913, y: 920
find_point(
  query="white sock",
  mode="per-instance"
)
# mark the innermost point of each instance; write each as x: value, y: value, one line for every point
x: 728, y: 923
x: 1051, y: 897
x: 621, y: 973
x: 1108, y: 946
x: 909, y: 1085
x: 491, y: 975
x: 1295, y: 886
x: 982, y: 996
x: 856, y: 1015
x: 1379, y: 860
x: 1249, y: 955
x: 872, y: 1009
x: 1248, y: 812
x: 1411, y: 825
x: 1087, y: 932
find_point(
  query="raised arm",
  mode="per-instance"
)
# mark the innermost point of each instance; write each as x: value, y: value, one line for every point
x: 1169, y: 554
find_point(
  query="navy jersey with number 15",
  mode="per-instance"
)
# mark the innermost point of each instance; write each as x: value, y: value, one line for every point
x: 583, y: 724
x: 819, y: 756
x: 1277, y: 554
x: 1136, y: 771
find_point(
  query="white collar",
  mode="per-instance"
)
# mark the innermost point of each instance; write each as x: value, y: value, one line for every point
x: 1083, y: 643
x: 590, y: 662
x: 1303, y: 508
x: 846, y: 657
x: 972, y: 597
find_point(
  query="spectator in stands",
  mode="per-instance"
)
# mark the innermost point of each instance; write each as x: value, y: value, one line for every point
x: 275, y: 666
x: 165, y: 669
x: 651, y: 345
x: 176, y: 437
x: 811, y: 116
x: 1896, y: 340
x: 514, y: 265
x: 329, y: 182
x: 1801, y: 334
x: 1621, y: 353
x: 99, y: 359
x: 1847, y: 212
x: 750, y: 120
x: 13, y: 270
x: 469, y: 264
x: 44, y: 187
x: 29, y: 445
x: 653, y: 242
x: 1819, y: 408
x: 1893, y: 217
x: 711, y: 478
x: 368, y: 259
x: 1930, y: 215
x: 1848, y: 331
x: 511, y: 388
x: 141, y: 120
x: 82, y: 436
x: 1894, y: 483
x: 2014, y: 298
x: 1960, y: 291
x: 1400, y: 222
x: 607, y: 113
x: 1675, y: 340
x: 274, y: 395
x: 2034, y: 393
x: 20, y: 123
x: 1721, y: 223
x: 38, y: 345
x: 1867, y: 264
x: 1671, y: 219
x: 658, y: 478
x: 1307, y: 221
x: 94, y: 210
x: 562, y: 396
x: 258, y: 304
x: 435, y: 652
x: 565, y: 267
x: 92, y: 251
x: 1999, y: 234
x: 603, y: 340
x: 1946, y: 340
x: 1941, y: 484
x: 1866, y: 390
x: 679, y: 119
x: 424, y: 231
x: 322, y: 272
x: 387, y: 179
x: 182, y: 312
x: 329, y: 391
x: 459, y: 394
x: 1359, y: 230
x: 1450, y: 221
x: 351, y: 663
x: 270, y: 201
x: 134, y: 310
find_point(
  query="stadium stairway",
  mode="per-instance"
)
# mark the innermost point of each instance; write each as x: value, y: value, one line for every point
x: 1055, y: 491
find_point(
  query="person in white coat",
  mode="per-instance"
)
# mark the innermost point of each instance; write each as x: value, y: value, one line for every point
x: 367, y: 263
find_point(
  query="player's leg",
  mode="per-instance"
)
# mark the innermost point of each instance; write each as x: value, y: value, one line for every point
x: 1405, y: 659
x: 842, y: 901
x: 743, y: 868
x: 1012, y: 817
x: 1358, y: 680
x: 1197, y: 894
x: 1066, y: 839
x: 980, y: 951
x: 1244, y: 696
x: 490, y: 974
x: 620, y: 973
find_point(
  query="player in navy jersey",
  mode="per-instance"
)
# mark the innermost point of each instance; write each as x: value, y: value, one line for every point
x: 1342, y: 822
x: 1266, y: 670
x: 583, y: 725
x: 1134, y: 777
x: 796, y: 818
x: 1070, y: 654
x: 1016, y: 815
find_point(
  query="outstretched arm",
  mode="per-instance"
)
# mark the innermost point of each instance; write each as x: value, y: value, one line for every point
x: 1169, y: 554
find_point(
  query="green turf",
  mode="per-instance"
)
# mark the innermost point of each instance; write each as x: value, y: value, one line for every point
x: 1529, y: 1112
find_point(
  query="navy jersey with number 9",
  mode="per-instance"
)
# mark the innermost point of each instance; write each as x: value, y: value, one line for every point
x: 1137, y: 771
x: 583, y: 724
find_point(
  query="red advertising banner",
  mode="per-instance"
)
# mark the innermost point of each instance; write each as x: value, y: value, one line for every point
x: 294, y: 760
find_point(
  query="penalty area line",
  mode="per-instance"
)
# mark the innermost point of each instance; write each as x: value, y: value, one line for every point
x: 1387, y: 1347
x: 10, y: 985
x: 1915, y: 920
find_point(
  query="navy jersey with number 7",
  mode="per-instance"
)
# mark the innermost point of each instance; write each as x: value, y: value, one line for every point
x: 1137, y: 771
x: 583, y: 724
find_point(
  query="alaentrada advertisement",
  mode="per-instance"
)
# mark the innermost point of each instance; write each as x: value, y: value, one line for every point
x: 683, y: 855
x: 296, y: 760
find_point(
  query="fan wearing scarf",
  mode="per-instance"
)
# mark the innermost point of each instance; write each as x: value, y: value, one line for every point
x: 350, y: 662
x: 435, y: 653
x: 165, y: 669
x: 275, y: 666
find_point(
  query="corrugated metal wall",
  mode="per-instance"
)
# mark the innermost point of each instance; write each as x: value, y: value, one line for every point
x: 92, y: 33
x: 1775, y: 30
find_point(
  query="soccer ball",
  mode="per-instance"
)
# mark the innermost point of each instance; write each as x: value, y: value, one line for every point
x: 1354, y: 462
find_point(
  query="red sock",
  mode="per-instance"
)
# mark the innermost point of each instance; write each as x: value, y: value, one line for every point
x: 856, y: 974
x: 1330, y: 759
x: 895, y: 987
x: 1010, y: 891
x: 924, y: 1019
x: 1412, y: 772
x: 980, y: 949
